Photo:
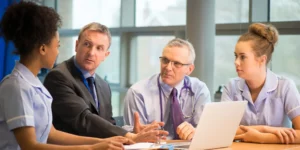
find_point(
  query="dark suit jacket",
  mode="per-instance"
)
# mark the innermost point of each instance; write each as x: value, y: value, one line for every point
x: 73, y: 106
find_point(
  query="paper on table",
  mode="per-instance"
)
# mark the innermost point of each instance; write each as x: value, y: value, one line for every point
x: 141, y: 146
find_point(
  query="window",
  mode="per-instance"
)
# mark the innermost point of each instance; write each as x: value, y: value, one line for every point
x: 231, y: 11
x: 115, y: 103
x: 109, y: 69
x: 67, y: 48
x: 224, y: 60
x: 285, y: 58
x: 145, y: 57
x: 284, y: 10
x: 160, y: 12
x: 77, y: 13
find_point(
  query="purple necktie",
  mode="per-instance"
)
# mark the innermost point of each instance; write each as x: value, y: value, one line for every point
x: 177, y: 115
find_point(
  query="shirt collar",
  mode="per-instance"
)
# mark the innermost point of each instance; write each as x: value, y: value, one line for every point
x: 27, y: 75
x: 270, y: 83
x: 85, y: 73
x: 168, y: 89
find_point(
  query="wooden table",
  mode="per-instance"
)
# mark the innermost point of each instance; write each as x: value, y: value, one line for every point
x: 254, y: 146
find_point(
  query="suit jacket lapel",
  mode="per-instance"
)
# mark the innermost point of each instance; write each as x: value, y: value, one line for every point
x: 78, y: 77
x: 100, y: 95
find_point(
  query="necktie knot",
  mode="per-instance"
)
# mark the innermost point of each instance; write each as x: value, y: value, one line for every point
x: 174, y: 94
x: 90, y: 80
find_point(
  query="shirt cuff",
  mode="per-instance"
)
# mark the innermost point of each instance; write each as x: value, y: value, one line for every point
x: 128, y: 128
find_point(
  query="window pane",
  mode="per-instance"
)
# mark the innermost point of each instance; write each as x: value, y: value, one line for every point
x: 67, y: 48
x: 115, y: 103
x: 145, y: 56
x: 160, y: 12
x: 108, y: 70
x: 224, y: 60
x: 77, y: 13
x: 285, y: 10
x: 232, y: 11
x: 285, y: 60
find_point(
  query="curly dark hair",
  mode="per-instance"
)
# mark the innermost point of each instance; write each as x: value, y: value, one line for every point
x: 29, y: 25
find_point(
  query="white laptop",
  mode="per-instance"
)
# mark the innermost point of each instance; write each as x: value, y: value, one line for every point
x: 217, y: 125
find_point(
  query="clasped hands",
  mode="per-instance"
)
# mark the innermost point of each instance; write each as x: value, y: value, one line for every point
x: 285, y: 135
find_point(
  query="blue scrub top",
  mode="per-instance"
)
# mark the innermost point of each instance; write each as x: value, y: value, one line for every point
x: 24, y: 102
x: 276, y: 105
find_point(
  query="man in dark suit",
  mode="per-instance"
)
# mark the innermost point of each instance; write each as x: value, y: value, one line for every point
x: 81, y: 99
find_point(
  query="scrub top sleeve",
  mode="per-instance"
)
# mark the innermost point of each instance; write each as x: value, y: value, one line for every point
x: 226, y: 94
x: 18, y: 105
x: 292, y: 100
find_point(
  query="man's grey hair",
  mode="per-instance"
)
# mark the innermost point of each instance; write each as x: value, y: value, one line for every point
x: 177, y: 42
x: 94, y: 26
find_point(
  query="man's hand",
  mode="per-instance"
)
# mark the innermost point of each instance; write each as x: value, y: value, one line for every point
x: 138, y: 126
x: 148, y: 134
x: 249, y: 135
x: 286, y: 135
x: 185, y: 131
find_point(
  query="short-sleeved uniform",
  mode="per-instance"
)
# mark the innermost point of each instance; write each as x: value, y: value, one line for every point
x: 24, y: 101
x: 276, y: 105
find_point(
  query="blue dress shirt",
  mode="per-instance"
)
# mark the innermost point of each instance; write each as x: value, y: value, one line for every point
x: 143, y: 97
x: 277, y: 103
x: 24, y: 102
x: 86, y: 75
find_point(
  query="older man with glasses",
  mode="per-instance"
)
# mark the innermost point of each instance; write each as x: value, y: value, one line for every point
x: 171, y: 96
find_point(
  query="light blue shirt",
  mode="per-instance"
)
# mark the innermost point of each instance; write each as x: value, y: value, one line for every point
x: 24, y: 101
x: 277, y: 103
x: 143, y: 97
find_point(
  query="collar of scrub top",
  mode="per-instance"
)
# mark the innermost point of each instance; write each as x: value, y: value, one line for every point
x: 29, y: 77
x: 269, y: 86
x: 186, y: 85
x: 84, y: 74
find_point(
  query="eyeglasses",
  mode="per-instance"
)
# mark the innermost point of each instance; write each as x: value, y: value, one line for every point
x: 166, y: 61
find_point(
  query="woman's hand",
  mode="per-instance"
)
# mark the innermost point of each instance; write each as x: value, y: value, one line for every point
x: 120, y: 139
x: 107, y: 145
x: 249, y: 135
x: 286, y: 135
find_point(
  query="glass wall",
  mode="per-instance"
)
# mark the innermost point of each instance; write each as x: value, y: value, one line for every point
x: 77, y: 13
x: 285, y: 60
x: 224, y: 60
x: 160, y: 12
x: 285, y: 10
x: 135, y: 50
x: 146, y: 55
x: 232, y: 11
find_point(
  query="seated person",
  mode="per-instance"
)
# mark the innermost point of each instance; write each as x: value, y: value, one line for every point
x: 271, y: 98
x: 81, y: 99
x: 171, y: 96
x: 25, y: 104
